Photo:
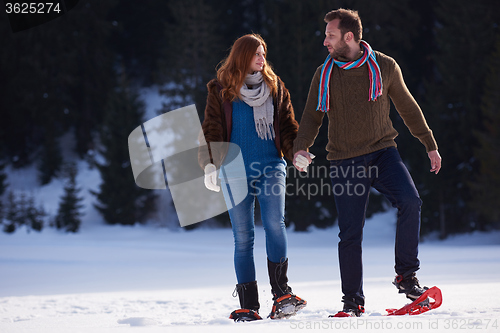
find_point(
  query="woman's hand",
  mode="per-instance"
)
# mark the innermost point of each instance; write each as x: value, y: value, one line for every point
x: 302, y: 159
x: 211, y: 178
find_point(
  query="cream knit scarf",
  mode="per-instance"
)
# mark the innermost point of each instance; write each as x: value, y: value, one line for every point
x: 260, y: 99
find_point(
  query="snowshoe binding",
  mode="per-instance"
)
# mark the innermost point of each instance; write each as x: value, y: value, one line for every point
x: 408, y: 284
x: 244, y: 315
x: 249, y: 302
x: 286, y: 306
x: 351, y: 309
x: 423, y: 299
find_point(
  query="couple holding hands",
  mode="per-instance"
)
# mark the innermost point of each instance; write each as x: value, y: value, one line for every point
x: 249, y: 106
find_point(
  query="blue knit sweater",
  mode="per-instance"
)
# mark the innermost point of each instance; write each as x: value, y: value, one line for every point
x: 259, y: 155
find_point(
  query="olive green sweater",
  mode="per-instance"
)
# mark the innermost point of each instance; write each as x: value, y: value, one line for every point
x: 357, y: 126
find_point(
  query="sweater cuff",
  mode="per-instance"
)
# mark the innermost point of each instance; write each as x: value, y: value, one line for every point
x: 300, y: 144
x: 429, y: 142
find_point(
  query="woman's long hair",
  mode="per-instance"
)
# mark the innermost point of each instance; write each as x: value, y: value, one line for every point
x: 233, y: 69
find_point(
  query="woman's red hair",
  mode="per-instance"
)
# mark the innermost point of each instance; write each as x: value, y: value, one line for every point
x: 233, y: 70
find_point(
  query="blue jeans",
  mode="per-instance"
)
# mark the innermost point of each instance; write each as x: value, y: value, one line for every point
x: 351, y: 180
x: 269, y: 188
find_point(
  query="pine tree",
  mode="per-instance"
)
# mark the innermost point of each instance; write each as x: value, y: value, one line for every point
x: 50, y: 160
x: 22, y: 211
x: 3, y: 187
x: 309, y: 201
x: 3, y: 178
x: 52, y: 77
x: 22, y: 205
x: 68, y: 215
x: 120, y: 200
x: 192, y: 52
x: 453, y: 108
x: 92, y: 67
x: 138, y: 37
x: 486, y: 187
x: 34, y: 217
x: 13, y: 214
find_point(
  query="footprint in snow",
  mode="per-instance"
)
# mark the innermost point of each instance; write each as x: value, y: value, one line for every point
x: 138, y: 321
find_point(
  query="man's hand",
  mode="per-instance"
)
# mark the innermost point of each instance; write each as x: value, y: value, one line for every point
x: 302, y: 159
x: 435, y: 161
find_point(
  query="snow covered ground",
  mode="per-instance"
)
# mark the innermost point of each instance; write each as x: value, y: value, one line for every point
x: 143, y: 279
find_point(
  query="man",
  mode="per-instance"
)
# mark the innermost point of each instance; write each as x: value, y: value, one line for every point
x: 353, y: 88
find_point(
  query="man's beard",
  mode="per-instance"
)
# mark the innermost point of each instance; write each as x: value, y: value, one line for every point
x: 340, y: 52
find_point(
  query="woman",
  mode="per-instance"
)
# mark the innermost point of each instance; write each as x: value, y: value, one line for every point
x: 249, y: 106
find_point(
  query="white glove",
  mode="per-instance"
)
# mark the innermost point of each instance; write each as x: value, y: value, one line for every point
x: 211, y: 178
x: 302, y: 161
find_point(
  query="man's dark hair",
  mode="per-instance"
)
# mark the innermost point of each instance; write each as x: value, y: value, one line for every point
x: 349, y: 21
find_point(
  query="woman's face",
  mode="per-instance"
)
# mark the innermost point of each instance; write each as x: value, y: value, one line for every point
x: 258, y: 61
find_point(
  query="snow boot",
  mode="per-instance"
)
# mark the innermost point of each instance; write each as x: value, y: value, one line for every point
x: 286, y: 304
x: 249, y: 302
x: 351, y: 308
x: 408, y: 284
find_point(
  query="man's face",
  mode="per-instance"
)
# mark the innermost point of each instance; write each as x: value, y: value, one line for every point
x: 334, y: 40
x: 258, y: 60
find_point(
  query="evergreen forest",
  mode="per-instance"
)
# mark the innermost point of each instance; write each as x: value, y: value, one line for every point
x: 83, y: 71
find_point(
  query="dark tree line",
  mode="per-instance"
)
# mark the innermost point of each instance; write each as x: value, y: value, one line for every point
x: 70, y: 74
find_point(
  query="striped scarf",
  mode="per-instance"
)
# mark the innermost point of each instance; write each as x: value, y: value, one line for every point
x: 326, y: 71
